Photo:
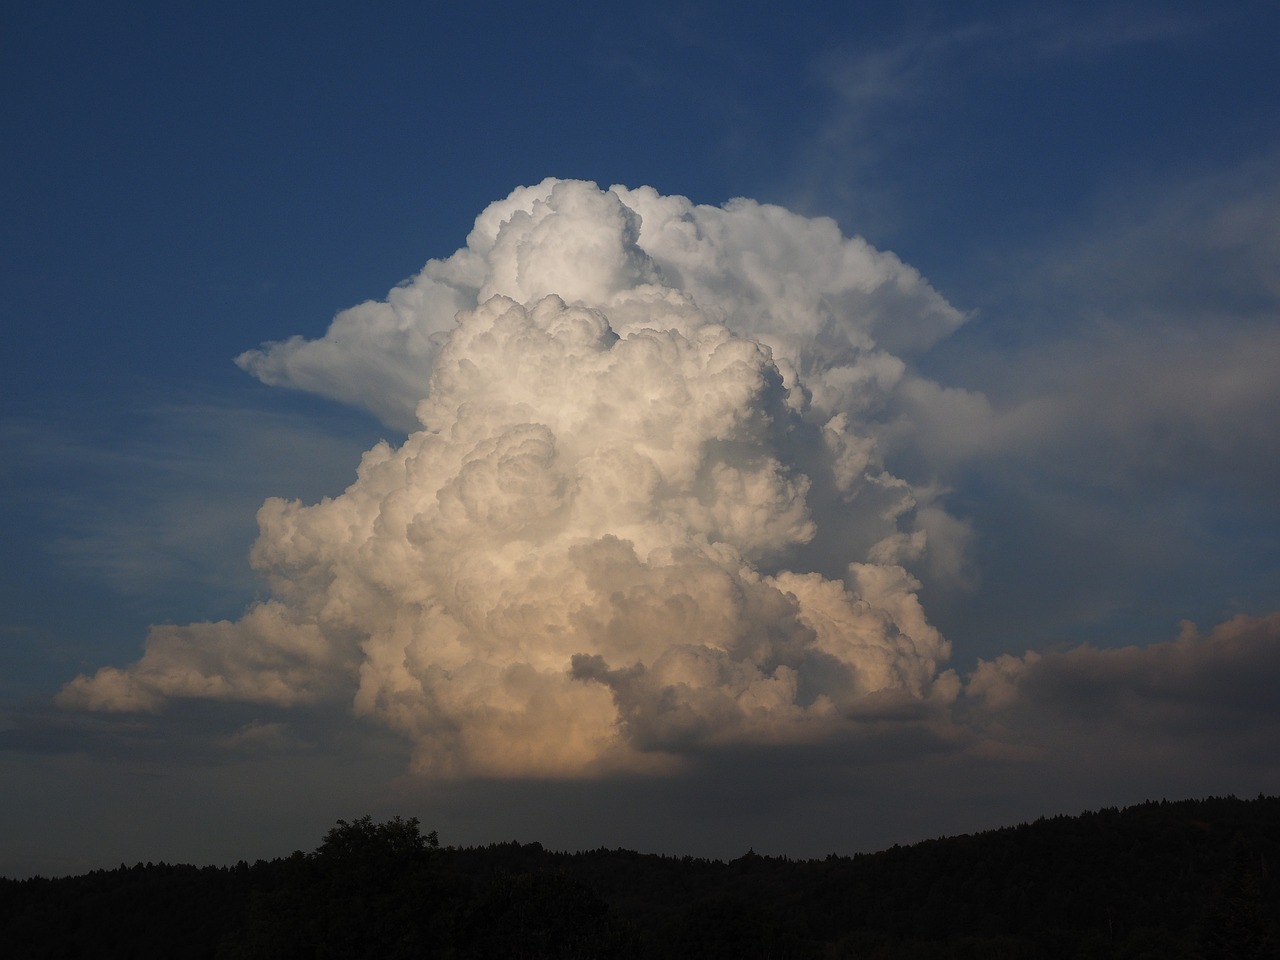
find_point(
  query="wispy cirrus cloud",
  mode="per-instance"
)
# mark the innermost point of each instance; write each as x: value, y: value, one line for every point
x: 933, y: 84
x: 172, y: 508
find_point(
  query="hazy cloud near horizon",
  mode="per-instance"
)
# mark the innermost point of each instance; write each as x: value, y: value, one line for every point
x: 643, y: 513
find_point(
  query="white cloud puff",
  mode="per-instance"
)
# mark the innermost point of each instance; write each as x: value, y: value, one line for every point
x: 832, y: 308
x: 597, y: 547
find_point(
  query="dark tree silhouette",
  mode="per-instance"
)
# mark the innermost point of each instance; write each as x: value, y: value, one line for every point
x: 1195, y: 880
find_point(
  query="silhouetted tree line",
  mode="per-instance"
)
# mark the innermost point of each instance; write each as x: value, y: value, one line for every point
x: 1192, y: 879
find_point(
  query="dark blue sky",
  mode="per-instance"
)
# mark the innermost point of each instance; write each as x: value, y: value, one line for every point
x: 1096, y: 186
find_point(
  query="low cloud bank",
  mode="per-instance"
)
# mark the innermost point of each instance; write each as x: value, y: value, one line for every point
x: 1201, y: 685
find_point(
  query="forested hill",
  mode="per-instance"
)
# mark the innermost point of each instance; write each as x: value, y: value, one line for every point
x: 1168, y: 880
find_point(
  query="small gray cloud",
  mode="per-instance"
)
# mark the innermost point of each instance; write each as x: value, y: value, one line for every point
x: 1195, y: 696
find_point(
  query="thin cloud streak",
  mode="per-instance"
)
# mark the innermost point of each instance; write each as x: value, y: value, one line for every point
x: 173, y: 507
x: 896, y: 97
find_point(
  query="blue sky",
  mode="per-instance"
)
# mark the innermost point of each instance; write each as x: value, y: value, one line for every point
x: 1094, y: 188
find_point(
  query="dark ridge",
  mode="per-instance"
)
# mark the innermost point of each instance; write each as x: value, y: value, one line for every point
x: 1189, y: 879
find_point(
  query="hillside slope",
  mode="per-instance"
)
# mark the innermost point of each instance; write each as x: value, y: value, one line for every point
x: 1187, y: 879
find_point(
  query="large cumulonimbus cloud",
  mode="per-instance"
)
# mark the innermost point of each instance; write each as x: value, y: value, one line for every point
x: 641, y: 510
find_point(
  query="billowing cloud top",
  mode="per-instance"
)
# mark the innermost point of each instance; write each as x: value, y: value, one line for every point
x: 598, y: 547
x: 821, y: 302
